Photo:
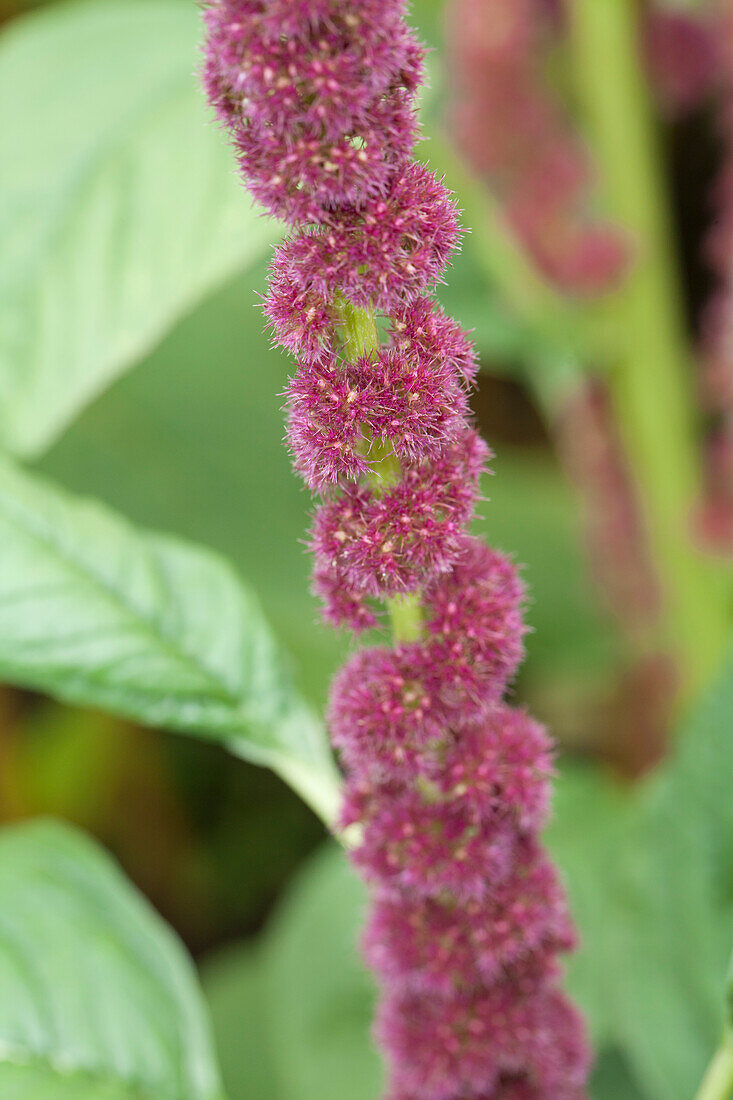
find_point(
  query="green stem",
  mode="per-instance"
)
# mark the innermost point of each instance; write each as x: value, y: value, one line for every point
x: 651, y: 382
x: 717, y: 1083
x: 405, y: 613
x: 360, y: 337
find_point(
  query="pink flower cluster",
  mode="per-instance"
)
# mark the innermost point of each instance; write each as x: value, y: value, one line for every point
x: 516, y: 136
x: 446, y: 785
x: 317, y: 98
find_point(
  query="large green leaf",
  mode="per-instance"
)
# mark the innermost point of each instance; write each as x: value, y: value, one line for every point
x: 319, y: 998
x: 651, y: 880
x: 96, y: 613
x: 99, y: 1001
x: 119, y: 206
x: 235, y: 985
x: 301, y: 994
x: 193, y: 442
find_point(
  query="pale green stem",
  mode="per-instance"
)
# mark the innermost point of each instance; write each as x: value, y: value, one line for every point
x: 717, y: 1083
x: 360, y: 337
x: 319, y: 787
x: 651, y: 381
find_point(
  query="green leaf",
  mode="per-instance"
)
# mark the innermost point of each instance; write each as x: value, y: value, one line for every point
x: 651, y: 882
x: 611, y: 1079
x: 300, y: 996
x: 119, y: 205
x: 96, y: 613
x: 203, y: 419
x: 234, y: 984
x: 319, y: 998
x: 99, y: 1001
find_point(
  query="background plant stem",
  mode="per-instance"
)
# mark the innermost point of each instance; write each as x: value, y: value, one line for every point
x: 651, y: 380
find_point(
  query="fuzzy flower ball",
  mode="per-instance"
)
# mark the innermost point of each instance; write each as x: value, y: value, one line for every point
x: 382, y: 253
x: 406, y: 536
x: 320, y: 112
x: 428, y: 845
x: 471, y: 1045
x: 394, y: 711
x: 440, y: 947
x: 400, y: 398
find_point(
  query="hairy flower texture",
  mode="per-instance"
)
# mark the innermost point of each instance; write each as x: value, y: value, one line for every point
x: 470, y: 1045
x: 392, y: 710
x: 422, y: 329
x: 386, y: 714
x: 301, y: 320
x: 395, y: 541
x: 517, y: 137
x: 303, y: 180
x: 440, y: 947
x: 413, y: 839
x: 340, y: 605
x: 322, y: 115
x: 474, y: 796
x: 382, y: 253
x: 503, y: 761
x: 474, y: 623
x: 303, y: 18
x: 413, y: 403
x: 446, y: 785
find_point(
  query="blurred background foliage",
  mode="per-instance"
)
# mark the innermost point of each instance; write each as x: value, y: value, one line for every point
x: 190, y: 442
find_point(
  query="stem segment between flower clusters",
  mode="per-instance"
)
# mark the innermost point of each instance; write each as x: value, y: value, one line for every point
x: 360, y: 337
x: 651, y: 382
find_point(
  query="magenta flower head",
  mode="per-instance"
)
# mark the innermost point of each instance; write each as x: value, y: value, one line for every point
x: 479, y: 1045
x: 395, y: 541
x: 397, y: 398
x: 382, y: 253
x: 440, y: 947
x: 446, y: 786
x: 502, y: 762
x: 423, y: 330
x: 427, y: 846
x: 386, y: 715
x: 321, y: 112
x: 392, y: 710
